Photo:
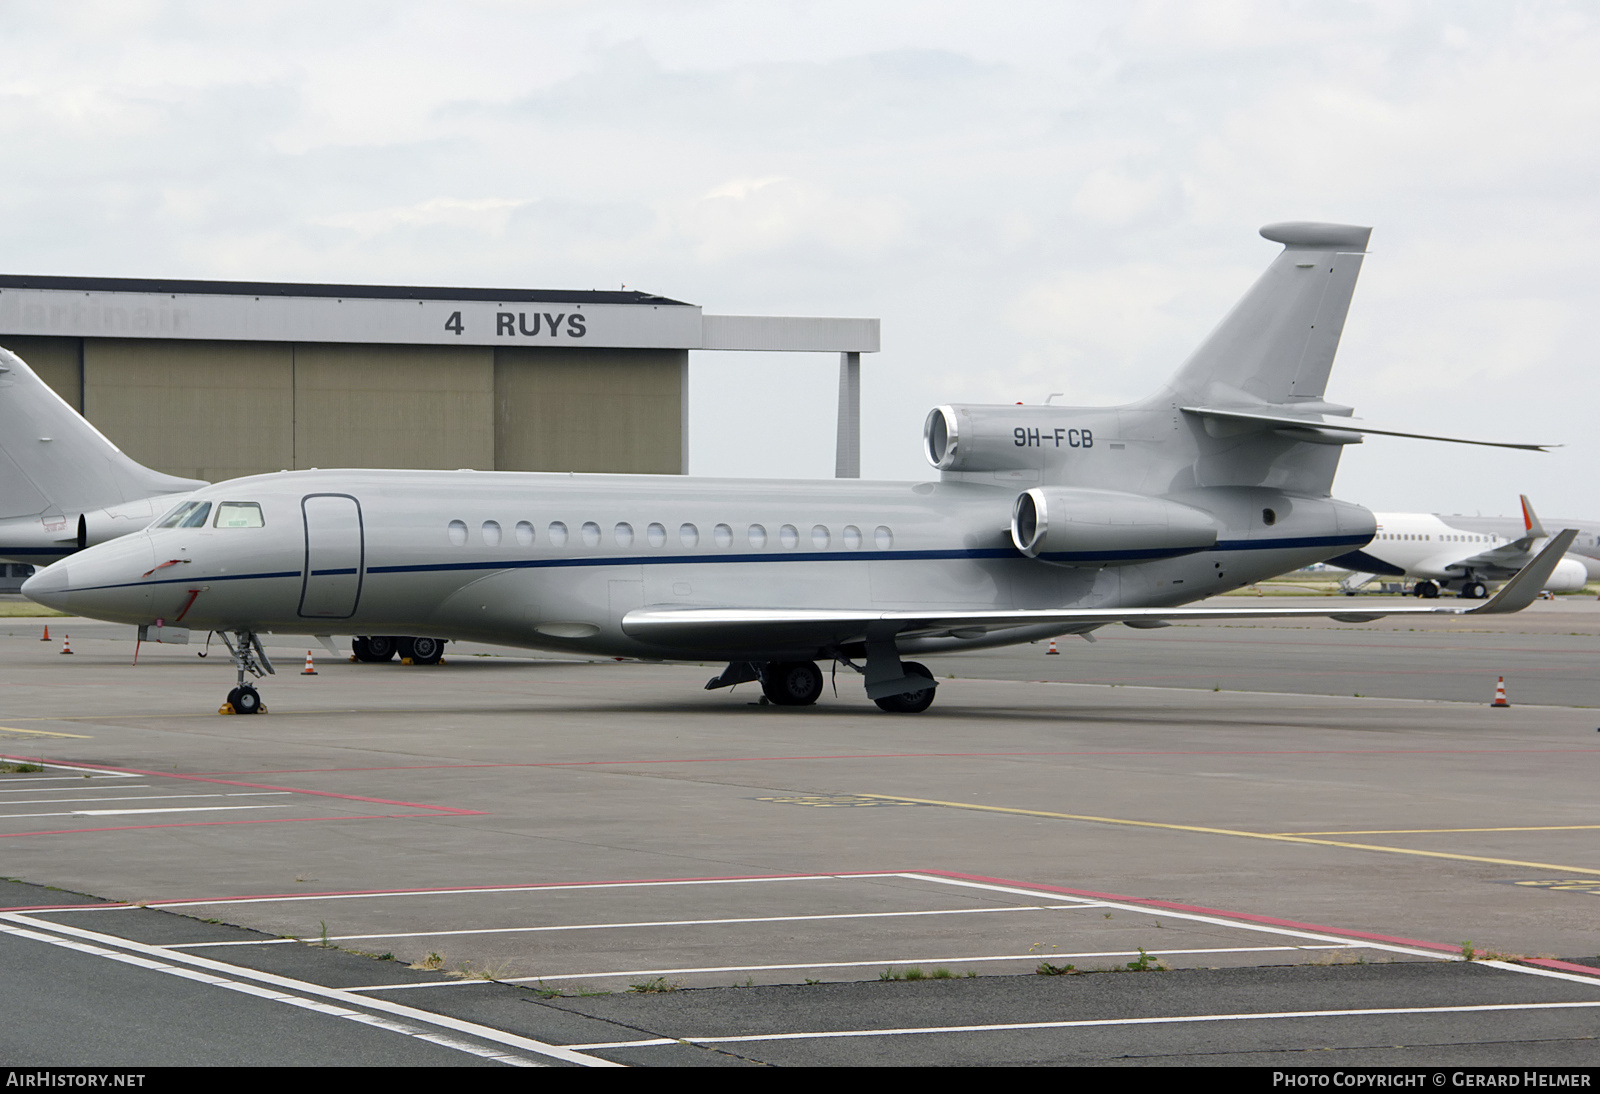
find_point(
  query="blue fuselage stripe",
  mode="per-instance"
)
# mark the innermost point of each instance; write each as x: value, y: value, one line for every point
x: 691, y: 560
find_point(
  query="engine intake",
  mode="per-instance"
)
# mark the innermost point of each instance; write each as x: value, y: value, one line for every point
x: 1076, y: 527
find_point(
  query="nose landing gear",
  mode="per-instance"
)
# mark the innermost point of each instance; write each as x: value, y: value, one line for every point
x: 248, y: 656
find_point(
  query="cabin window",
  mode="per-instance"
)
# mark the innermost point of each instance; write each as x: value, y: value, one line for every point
x: 789, y: 535
x: 688, y: 535
x: 558, y: 534
x: 852, y: 536
x: 657, y: 534
x: 491, y: 533
x: 883, y: 537
x: 723, y: 535
x: 591, y: 534
x: 191, y: 514
x: 239, y: 514
x: 757, y: 535
x: 624, y: 534
x: 819, y: 537
x: 458, y: 532
x: 524, y: 534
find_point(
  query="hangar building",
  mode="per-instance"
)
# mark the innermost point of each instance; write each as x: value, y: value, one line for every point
x: 217, y: 379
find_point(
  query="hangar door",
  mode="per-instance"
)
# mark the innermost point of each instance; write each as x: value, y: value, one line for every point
x: 335, y: 556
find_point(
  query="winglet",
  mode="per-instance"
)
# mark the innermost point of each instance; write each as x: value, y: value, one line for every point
x: 1521, y: 590
x: 1530, y: 519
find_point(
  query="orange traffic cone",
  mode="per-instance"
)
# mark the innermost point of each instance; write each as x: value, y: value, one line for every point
x: 1052, y: 649
x: 66, y: 643
x: 309, y: 669
x: 46, y: 637
x: 1500, y: 694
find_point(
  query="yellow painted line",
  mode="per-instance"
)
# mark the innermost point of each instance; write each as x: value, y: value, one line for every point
x: 1241, y: 835
x: 1426, y: 831
x: 43, y: 733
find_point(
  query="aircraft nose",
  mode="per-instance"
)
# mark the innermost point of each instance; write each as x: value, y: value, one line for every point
x: 103, y: 582
x: 48, y: 585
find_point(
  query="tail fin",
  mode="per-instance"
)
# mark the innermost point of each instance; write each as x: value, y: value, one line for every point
x: 1277, y: 345
x: 53, y: 463
x: 1530, y: 520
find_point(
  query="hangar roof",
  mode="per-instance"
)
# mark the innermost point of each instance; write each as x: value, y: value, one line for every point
x: 297, y: 288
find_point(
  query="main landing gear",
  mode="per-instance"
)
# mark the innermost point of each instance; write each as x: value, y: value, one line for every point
x: 900, y: 687
x: 248, y: 656
x: 412, y: 651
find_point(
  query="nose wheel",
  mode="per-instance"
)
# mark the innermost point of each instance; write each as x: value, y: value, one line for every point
x: 248, y: 657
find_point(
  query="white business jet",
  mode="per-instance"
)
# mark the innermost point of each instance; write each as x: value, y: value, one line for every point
x: 1442, y: 553
x: 1043, y: 521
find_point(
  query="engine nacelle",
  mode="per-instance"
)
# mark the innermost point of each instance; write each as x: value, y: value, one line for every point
x: 1005, y: 438
x: 1075, y: 527
x: 1569, y: 576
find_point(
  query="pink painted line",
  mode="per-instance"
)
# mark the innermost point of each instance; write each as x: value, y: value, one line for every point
x: 1563, y: 966
x: 264, y: 820
x: 1243, y: 917
x: 445, y: 809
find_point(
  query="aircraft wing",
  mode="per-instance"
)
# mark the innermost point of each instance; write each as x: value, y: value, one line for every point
x: 1330, y: 430
x: 724, y: 627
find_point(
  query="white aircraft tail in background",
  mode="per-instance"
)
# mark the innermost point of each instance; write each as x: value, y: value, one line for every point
x: 63, y: 485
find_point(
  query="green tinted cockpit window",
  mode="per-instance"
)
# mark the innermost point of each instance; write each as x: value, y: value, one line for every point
x: 190, y: 514
x: 239, y: 514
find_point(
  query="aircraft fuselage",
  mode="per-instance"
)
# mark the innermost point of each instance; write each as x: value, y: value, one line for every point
x: 556, y: 561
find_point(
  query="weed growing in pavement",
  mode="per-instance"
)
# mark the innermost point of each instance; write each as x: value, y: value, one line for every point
x: 660, y: 983
x: 1146, y: 963
x: 1047, y: 969
x: 432, y: 963
x: 19, y: 769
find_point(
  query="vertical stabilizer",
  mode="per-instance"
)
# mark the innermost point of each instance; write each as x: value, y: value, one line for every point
x: 53, y: 463
x: 1277, y: 345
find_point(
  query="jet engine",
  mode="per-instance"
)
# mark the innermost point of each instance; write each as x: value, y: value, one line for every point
x: 1569, y: 576
x: 1006, y: 438
x: 1077, y: 527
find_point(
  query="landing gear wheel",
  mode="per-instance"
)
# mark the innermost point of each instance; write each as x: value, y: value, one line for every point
x: 1427, y: 590
x: 245, y: 700
x: 1475, y: 590
x: 373, y: 647
x: 421, y: 651
x: 911, y: 702
x: 791, y: 683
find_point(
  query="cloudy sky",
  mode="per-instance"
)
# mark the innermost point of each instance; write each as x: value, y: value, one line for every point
x: 1033, y: 197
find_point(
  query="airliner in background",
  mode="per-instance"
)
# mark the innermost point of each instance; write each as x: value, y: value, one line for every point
x: 1040, y: 521
x: 1467, y: 554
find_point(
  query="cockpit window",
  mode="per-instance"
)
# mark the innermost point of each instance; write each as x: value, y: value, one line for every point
x: 191, y: 514
x: 239, y: 514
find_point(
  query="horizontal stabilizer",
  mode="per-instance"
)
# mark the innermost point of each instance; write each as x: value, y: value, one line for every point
x: 1220, y: 421
x: 715, y: 628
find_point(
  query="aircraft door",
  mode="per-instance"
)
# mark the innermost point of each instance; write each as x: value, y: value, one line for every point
x: 335, y: 556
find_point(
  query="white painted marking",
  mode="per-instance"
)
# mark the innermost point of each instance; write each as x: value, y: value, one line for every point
x: 144, y: 798
x: 642, y: 923
x: 127, y: 812
x: 67, y: 778
x: 579, y: 887
x: 202, y: 964
x: 1094, y: 1022
x: 1193, y: 917
x: 893, y: 962
x: 274, y: 996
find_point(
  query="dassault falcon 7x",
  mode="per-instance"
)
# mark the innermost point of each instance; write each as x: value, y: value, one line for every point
x: 1043, y: 521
